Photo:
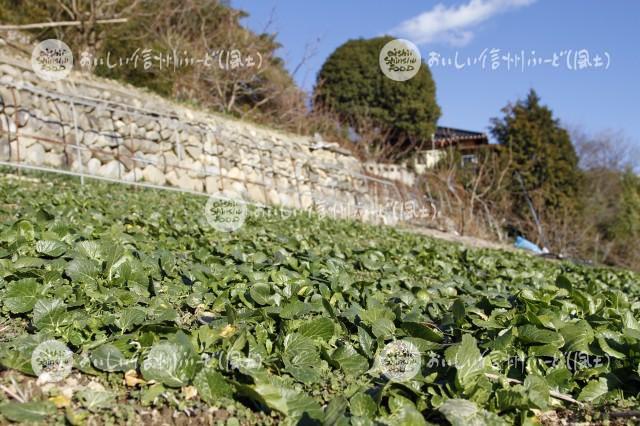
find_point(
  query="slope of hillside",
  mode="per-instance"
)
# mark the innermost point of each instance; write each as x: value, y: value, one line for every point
x: 292, y: 318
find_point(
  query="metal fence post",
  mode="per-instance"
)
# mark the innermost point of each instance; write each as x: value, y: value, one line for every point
x: 78, y: 149
x: 15, y: 122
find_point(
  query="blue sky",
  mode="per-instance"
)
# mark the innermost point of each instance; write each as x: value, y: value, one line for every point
x: 595, y: 99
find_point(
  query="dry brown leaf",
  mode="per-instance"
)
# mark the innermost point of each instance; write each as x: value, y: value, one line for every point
x: 60, y: 401
x: 189, y: 392
x: 131, y: 378
x: 227, y: 331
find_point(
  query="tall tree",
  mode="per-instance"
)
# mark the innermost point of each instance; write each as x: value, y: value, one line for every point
x: 88, y: 36
x: 625, y: 228
x: 193, y: 30
x: 541, y: 152
x: 401, y: 113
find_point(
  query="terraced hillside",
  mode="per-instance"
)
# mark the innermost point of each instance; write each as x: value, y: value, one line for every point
x: 292, y: 319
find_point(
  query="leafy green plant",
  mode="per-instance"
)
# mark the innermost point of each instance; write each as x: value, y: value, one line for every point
x: 283, y: 321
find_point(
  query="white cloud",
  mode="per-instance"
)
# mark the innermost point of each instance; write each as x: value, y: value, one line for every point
x: 453, y: 24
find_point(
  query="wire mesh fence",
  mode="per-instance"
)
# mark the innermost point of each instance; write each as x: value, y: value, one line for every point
x: 89, y: 137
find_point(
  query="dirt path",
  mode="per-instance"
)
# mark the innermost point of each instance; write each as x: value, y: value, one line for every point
x: 464, y: 240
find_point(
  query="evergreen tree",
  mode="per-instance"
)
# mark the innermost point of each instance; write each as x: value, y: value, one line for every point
x: 541, y: 152
x: 352, y: 85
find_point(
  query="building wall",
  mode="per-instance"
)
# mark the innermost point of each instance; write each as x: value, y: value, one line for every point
x: 428, y: 160
x: 395, y: 172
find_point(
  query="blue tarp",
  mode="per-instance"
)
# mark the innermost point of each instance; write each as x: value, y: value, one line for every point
x: 523, y: 243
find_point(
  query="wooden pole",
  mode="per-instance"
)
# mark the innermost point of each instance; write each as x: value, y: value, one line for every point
x: 60, y: 24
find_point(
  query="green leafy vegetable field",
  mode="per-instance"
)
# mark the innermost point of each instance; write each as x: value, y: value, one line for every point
x: 293, y: 319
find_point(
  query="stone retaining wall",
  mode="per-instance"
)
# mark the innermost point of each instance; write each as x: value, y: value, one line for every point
x: 102, y: 128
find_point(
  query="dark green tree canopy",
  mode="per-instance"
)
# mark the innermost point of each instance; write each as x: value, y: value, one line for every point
x: 352, y: 85
x: 541, y: 151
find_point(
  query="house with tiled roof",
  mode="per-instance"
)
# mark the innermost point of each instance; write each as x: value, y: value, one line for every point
x: 466, y: 142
